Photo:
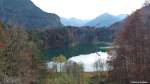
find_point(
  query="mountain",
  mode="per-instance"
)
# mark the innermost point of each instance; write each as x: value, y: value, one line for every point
x: 122, y: 16
x: 73, y: 22
x: 144, y: 16
x: 105, y: 20
x: 25, y: 13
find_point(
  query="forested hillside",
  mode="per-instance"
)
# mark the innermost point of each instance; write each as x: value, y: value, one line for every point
x: 118, y: 53
x: 131, y: 61
x: 19, y: 56
x: 25, y: 13
x: 70, y: 36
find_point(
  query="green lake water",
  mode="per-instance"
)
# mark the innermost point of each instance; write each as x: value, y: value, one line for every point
x: 76, y: 50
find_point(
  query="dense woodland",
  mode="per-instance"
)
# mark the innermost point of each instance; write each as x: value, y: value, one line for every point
x: 19, y: 57
x: 132, y: 58
x: 22, y: 53
x: 70, y: 36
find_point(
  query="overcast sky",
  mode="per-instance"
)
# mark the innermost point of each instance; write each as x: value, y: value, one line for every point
x: 88, y: 9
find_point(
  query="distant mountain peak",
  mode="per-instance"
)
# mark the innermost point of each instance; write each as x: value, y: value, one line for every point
x: 105, y: 20
x: 122, y: 16
x: 73, y: 22
x: 106, y: 14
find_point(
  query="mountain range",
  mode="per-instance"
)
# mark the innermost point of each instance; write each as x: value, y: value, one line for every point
x: 25, y: 13
x: 105, y: 20
x: 73, y: 22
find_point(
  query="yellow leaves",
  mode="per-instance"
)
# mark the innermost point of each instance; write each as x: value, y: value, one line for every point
x: 61, y: 58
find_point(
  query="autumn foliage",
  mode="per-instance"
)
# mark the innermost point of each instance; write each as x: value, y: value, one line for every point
x: 18, y: 61
x: 132, y: 60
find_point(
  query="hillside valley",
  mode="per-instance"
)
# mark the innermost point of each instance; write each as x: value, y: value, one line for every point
x: 38, y: 47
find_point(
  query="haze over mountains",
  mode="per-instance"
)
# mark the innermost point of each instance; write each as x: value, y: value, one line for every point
x: 73, y: 22
x: 104, y: 20
x: 25, y: 13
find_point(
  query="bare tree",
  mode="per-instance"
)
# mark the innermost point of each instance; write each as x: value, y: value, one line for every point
x: 131, y: 62
x: 74, y: 71
x: 147, y: 2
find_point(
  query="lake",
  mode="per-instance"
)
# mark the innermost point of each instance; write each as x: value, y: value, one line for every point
x: 76, y: 50
x: 88, y: 60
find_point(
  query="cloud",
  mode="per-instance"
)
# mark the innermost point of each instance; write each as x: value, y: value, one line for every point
x: 88, y: 9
